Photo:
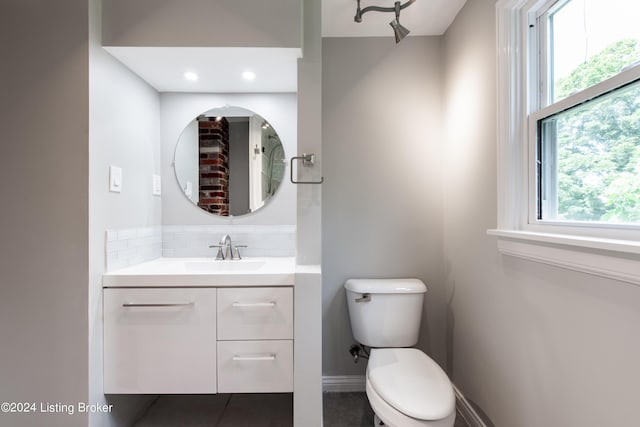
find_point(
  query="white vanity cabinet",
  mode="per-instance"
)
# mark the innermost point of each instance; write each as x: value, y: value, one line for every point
x: 198, y: 340
x: 160, y: 341
x: 255, y: 340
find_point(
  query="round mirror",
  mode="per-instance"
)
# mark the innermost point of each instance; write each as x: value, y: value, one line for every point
x: 229, y: 161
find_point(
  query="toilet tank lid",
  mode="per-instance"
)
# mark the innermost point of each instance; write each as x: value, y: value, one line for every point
x: 386, y: 286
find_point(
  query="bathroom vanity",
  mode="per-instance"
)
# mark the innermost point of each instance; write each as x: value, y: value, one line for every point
x: 200, y: 326
x: 184, y: 315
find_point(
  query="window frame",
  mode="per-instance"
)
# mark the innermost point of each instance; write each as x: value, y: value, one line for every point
x: 616, y: 247
x: 541, y: 107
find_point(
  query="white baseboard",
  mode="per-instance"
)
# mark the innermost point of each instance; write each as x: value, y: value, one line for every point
x: 466, y: 411
x: 343, y: 383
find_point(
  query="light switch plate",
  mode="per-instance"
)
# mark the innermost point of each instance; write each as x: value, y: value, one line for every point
x: 157, y: 185
x: 115, y: 179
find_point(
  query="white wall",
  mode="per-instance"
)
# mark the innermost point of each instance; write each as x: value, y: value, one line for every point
x: 309, y: 213
x: 124, y: 131
x: 382, y: 201
x: 220, y: 23
x: 178, y: 109
x: 307, y: 396
x: 533, y: 345
x: 43, y: 181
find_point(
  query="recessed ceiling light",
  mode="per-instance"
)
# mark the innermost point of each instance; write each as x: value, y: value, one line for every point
x: 191, y: 76
x: 249, y: 75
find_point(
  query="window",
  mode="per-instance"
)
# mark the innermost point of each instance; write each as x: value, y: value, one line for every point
x: 568, y: 123
x: 584, y: 42
x: 585, y: 127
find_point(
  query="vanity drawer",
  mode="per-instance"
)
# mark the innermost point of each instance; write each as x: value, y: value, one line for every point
x: 159, y: 341
x: 255, y: 313
x: 255, y: 366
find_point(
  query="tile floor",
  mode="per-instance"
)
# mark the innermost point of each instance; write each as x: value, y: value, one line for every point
x: 220, y: 410
x: 353, y: 410
x: 255, y: 410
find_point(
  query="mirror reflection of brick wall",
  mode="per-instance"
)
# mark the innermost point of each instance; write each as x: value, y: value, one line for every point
x: 213, y: 137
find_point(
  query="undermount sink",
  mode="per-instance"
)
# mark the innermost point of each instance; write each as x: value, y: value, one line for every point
x: 229, y: 265
x: 176, y: 272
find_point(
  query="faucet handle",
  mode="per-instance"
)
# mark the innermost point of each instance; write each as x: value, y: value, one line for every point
x: 219, y: 255
x: 238, y: 256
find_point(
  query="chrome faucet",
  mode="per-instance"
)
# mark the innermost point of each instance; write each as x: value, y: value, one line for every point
x: 225, y: 242
x: 226, y: 250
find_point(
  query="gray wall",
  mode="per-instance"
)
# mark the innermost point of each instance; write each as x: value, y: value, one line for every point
x: 44, y: 117
x: 382, y: 207
x: 220, y: 23
x: 187, y: 160
x: 534, y: 345
x: 124, y: 131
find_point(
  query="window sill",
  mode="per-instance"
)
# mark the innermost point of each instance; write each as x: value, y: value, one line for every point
x: 610, y: 258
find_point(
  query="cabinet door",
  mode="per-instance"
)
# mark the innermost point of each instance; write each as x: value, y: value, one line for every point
x: 159, y: 341
x: 255, y: 313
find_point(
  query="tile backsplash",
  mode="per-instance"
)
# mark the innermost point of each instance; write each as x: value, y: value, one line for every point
x: 261, y: 240
x: 132, y: 246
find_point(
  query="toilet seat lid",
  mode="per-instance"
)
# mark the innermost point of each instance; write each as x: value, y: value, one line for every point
x: 411, y: 382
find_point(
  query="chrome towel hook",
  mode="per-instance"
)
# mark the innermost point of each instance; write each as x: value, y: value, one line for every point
x: 307, y: 160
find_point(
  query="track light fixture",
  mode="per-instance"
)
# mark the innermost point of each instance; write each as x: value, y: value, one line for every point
x: 399, y: 31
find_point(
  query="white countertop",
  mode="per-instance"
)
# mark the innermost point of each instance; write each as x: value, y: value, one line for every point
x: 188, y: 272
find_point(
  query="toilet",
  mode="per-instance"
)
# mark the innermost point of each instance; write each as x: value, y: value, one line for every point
x: 405, y: 387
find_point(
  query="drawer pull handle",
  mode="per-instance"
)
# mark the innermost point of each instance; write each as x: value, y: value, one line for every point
x: 254, y: 304
x: 133, y: 305
x: 254, y: 358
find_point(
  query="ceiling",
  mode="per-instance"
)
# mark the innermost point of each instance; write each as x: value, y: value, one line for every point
x: 423, y: 18
x: 220, y: 69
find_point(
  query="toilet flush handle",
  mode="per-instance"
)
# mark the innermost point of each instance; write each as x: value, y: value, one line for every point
x: 364, y: 298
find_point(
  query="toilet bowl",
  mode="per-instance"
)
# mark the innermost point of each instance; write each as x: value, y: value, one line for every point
x: 405, y: 387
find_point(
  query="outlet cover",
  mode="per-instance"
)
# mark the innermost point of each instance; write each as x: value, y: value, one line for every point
x: 157, y: 185
x: 115, y: 179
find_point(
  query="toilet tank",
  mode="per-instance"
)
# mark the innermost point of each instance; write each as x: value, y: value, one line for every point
x: 385, y: 312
